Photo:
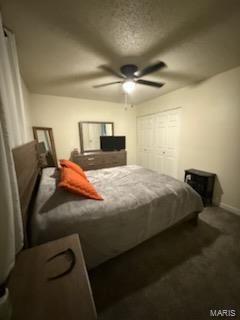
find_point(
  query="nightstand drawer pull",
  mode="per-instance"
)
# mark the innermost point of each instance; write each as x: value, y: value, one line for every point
x: 69, y: 252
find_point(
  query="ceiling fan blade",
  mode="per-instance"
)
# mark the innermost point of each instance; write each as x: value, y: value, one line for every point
x: 150, y: 83
x: 106, y: 84
x: 110, y: 70
x: 152, y: 68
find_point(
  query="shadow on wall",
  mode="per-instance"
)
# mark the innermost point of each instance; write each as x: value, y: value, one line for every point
x: 217, y: 192
x: 210, y: 18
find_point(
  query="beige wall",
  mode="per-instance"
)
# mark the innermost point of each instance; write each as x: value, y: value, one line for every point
x: 210, y: 130
x: 27, y: 113
x: 63, y: 115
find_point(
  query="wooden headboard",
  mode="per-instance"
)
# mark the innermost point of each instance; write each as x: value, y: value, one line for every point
x: 27, y: 168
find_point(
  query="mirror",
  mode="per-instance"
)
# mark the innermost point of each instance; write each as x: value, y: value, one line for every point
x: 46, y: 146
x: 90, y: 133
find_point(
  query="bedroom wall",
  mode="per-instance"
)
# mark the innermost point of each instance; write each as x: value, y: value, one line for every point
x: 27, y: 113
x: 63, y: 115
x: 210, y: 131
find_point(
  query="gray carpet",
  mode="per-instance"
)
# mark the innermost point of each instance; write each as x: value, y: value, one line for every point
x: 182, y: 273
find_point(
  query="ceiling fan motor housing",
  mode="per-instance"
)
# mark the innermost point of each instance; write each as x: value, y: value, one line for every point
x: 128, y: 70
x: 130, y: 75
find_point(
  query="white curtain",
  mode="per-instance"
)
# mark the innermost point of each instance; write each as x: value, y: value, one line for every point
x: 12, y: 134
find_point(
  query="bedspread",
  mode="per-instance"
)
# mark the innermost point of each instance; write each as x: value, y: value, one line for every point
x: 138, y: 204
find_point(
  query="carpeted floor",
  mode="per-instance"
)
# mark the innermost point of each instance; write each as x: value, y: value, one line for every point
x: 182, y: 273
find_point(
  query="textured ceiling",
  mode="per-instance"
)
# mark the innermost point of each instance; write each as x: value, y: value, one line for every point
x: 63, y: 43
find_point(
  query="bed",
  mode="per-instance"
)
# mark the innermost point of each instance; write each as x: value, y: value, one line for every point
x: 138, y: 204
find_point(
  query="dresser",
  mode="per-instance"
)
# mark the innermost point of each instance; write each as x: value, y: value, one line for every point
x: 100, y: 160
x: 41, y: 288
x: 202, y: 182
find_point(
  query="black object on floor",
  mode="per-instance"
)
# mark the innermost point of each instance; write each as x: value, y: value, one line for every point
x: 202, y: 182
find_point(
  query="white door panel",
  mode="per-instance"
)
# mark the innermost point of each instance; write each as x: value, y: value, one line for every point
x: 159, y: 162
x: 158, y: 139
x: 160, y: 131
x: 170, y: 164
x: 172, y: 137
x: 145, y: 159
x: 145, y: 141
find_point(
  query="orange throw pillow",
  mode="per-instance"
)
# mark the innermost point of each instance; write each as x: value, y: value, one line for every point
x: 73, y: 166
x: 76, y: 183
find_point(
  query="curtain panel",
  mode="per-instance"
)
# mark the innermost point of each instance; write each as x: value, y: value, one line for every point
x: 12, y: 134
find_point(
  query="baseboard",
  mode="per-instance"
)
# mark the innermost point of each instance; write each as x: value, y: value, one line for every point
x: 229, y: 208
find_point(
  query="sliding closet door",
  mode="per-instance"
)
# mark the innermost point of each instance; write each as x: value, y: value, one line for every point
x: 145, y: 141
x: 160, y: 142
x: 172, y: 144
x: 158, y: 139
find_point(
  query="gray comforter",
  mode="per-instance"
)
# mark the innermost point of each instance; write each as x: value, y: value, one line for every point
x: 138, y: 203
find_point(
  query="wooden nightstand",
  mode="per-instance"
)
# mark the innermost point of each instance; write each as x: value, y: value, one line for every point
x: 35, y: 297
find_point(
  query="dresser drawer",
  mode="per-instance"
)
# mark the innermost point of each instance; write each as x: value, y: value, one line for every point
x: 114, y: 162
x: 92, y: 166
x: 101, y: 160
x: 92, y: 158
x: 87, y: 162
x: 89, y: 165
x: 88, y: 159
x: 116, y: 157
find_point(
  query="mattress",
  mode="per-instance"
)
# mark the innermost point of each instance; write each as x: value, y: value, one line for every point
x: 138, y: 203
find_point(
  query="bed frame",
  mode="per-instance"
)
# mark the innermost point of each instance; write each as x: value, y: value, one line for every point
x: 26, y: 161
x: 28, y: 171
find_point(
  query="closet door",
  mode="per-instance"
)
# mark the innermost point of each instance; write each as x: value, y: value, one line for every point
x: 158, y: 139
x: 172, y: 144
x: 145, y: 141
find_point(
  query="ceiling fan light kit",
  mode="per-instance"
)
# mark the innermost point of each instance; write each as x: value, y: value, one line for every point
x: 128, y: 86
x: 130, y: 74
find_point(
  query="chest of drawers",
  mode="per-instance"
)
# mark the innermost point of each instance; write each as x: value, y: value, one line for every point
x: 100, y: 160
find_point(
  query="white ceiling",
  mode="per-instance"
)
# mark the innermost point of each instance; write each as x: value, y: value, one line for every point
x: 62, y: 44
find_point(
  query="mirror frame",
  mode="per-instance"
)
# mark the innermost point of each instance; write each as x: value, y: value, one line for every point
x: 81, y: 133
x: 50, y: 132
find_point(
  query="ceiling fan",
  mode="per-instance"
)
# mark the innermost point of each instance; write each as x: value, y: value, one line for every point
x: 130, y: 75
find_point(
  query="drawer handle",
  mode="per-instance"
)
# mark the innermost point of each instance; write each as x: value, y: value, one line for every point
x: 90, y: 158
x: 69, y: 252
